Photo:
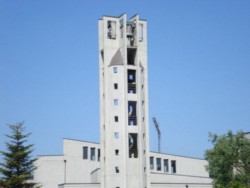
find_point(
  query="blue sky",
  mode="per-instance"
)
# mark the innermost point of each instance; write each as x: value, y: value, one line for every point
x: 198, y: 58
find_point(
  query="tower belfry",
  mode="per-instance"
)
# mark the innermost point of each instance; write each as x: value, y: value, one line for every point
x: 123, y: 102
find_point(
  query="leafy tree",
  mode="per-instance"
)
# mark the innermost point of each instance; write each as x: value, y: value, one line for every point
x: 229, y: 160
x: 18, y: 165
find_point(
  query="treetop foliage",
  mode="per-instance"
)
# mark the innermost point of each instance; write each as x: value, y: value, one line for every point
x: 18, y: 166
x: 229, y: 160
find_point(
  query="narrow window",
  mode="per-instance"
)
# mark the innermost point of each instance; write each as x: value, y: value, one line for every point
x: 133, y: 146
x: 131, y: 81
x: 111, y: 26
x: 115, y: 86
x: 158, y: 164
x: 131, y: 54
x: 141, y: 32
x: 121, y: 28
x: 173, y: 166
x: 132, y: 114
x: 85, y: 152
x: 116, y: 102
x: 151, y: 163
x: 102, y: 55
x: 116, y: 135
x: 99, y: 154
x: 115, y: 69
x: 116, y: 118
x: 117, y: 152
x: 165, y: 165
x: 92, y: 154
x: 117, y: 169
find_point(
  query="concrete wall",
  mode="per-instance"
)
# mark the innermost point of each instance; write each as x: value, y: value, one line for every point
x: 71, y: 170
x: 50, y: 171
x: 79, y: 170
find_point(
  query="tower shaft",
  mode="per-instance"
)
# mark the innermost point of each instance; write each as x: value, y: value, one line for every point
x: 123, y: 102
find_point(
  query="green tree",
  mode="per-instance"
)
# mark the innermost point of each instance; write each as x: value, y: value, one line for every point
x: 17, y: 167
x: 229, y: 160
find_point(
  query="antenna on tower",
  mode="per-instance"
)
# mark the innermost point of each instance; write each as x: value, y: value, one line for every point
x: 158, y: 132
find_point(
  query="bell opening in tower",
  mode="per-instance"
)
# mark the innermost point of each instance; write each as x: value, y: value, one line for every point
x: 132, y: 143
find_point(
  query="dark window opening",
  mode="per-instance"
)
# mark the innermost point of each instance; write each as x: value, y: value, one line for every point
x: 173, y: 166
x: 117, y: 169
x: 151, y: 163
x: 131, y: 81
x: 117, y: 152
x: 131, y: 30
x: 116, y: 118
x: 131, y: 54
x: 115, y: 86
x: 165, y: 165
x: 132, y: 118
x: 92, y: 154
x: 102, y: 55
x: 85, y: 152
x: 132, y: 143
x: 111, y: 26
x: 158, y: 164
x: 98, y: 154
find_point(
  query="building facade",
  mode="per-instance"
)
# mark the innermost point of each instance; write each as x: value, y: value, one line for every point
x: 79, y: 167
x: 122, y: 159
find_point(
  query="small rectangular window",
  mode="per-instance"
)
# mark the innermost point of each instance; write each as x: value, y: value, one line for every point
x: 117, y: 152
x: 116, y: 135
x: 115, y: 69
x: 116, y: 118
x: 85, y: 152
x: 116, y: 102
x: 117, y: 169
x: 158, y: 164
x: 151, y: 163
x: 92, y: 154
x: 173, y: 166
x: 115, y: 86
x: 165, y: 165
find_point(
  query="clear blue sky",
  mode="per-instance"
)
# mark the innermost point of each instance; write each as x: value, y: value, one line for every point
x: 198, y: 58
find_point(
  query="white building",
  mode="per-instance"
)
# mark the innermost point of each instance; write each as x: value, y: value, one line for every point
x: 123, y: 159
x: 79, y: 166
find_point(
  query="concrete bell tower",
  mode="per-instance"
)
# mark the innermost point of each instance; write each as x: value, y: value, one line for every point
x: 124, y: 102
